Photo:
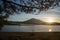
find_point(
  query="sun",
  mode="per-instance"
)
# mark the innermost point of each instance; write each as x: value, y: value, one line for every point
x: 50, y: 20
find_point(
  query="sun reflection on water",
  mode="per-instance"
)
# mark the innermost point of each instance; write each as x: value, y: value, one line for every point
x: 50, y: 30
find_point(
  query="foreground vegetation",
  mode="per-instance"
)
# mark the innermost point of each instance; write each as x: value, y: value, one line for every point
x: 30, y: 36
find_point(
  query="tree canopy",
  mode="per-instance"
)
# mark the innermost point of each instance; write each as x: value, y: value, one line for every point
x: 8, y: 7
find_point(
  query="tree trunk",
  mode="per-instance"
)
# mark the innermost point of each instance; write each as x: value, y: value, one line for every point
x: 1, y: 23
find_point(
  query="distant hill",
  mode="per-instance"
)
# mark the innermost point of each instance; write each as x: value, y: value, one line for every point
x: 34, y: 21
x: 31, y: 21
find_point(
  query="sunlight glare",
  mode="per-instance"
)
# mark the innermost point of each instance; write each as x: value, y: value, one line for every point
x: 50, y: 30
x: 50, y: 20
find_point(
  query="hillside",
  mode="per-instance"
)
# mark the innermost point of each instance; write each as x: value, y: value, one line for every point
x: 34, y: 21
x: 31, y: 21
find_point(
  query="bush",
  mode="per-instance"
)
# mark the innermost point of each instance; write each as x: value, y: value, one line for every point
x: 1, y: 22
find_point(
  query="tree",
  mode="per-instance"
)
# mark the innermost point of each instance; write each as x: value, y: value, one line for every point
x: 9, y: 7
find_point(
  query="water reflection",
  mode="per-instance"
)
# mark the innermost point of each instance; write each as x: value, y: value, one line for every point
x: 50, y: 30
x: 30, y: 28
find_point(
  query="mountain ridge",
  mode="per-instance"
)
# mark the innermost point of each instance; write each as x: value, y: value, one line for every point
x: 31, y: 21
x: 34, y: 21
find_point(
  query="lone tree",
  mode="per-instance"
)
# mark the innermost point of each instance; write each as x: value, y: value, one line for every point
x: 9, y: 7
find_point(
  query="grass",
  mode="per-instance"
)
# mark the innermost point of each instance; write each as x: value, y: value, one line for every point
x: 30, y: 36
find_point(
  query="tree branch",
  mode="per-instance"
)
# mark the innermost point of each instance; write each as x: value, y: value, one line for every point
x: 22, y: 5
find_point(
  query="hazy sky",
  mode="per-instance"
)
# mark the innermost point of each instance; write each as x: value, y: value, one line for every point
x: 53, y: 14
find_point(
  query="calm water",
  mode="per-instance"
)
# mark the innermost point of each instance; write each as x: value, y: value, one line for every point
x: 31, y: 28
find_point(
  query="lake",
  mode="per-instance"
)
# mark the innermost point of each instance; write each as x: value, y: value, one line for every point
x: 30, y: 28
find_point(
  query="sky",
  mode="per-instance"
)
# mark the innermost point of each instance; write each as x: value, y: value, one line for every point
x: 53, y: 14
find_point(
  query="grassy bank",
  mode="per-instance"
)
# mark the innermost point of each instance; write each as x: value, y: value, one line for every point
x: 31, y: 36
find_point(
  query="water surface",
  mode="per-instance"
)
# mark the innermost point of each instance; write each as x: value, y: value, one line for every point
x: 30, y: 28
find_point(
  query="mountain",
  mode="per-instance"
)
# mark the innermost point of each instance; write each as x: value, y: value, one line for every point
x: 31, y: 21
x: 34, y: 21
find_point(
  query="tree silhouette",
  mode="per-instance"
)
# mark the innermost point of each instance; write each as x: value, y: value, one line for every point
x: 10, y: 7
